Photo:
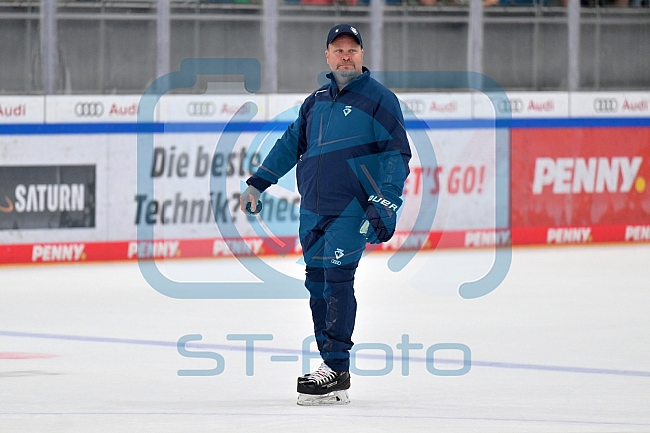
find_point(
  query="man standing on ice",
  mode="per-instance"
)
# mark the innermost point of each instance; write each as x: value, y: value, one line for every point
x: 350, y: 147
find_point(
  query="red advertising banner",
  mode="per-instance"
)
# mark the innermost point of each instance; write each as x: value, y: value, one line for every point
x: 570, y: 178
x: 72, y: 252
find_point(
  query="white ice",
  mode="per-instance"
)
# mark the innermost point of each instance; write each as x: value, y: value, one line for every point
x: 562, y: 345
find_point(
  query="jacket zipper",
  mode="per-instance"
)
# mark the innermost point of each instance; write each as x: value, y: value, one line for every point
x: 320, y: 154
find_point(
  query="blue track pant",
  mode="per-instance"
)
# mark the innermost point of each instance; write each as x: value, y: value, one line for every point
x: 332, y: 247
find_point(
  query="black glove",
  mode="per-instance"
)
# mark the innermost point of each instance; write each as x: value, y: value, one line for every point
x: 250, y: 201
x: 381, y: 215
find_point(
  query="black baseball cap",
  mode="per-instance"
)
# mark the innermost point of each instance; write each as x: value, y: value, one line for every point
x: 343, y: 29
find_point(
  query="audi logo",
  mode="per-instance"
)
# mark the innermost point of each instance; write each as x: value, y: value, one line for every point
x: 417, y: 106
x: 89, y: 109
x: 201, y: 108
x: 510, y: 105
x: 605, y: 105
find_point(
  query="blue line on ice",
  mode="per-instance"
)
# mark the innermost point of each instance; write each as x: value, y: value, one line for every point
x: 474, y: 363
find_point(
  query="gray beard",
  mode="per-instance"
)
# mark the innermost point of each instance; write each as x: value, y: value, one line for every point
x: 343, y: 78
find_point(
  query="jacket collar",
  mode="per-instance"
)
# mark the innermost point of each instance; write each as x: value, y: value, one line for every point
x: 334, y: 88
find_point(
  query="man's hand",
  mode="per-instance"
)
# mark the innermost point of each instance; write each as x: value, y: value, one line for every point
x: 249, y: 201
x: 381, y: 217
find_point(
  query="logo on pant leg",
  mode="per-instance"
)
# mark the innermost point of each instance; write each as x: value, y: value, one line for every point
x: 338, y: 254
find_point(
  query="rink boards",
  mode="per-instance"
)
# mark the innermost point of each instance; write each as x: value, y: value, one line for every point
x: 83, y: 178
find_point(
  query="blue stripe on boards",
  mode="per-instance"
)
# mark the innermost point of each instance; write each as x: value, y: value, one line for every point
x: 211, y: 127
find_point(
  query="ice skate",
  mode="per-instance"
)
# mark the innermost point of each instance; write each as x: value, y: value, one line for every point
x: 306, y: 377
x: 324, y: 386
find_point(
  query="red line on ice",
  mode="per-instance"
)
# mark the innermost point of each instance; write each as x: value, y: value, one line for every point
x: 17, y: 355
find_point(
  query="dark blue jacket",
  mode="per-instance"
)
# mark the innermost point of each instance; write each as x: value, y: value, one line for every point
x: 347, y: 145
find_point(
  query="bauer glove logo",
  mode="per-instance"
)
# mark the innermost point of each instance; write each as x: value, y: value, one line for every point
x: 382, y: 201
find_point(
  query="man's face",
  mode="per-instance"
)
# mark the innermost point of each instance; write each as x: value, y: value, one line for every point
x: 345, y: 55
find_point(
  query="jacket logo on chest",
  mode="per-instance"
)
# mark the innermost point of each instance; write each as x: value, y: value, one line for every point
x: 347, y: 110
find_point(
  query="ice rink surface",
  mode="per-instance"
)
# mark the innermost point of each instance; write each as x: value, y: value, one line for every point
x: 562, y: 345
